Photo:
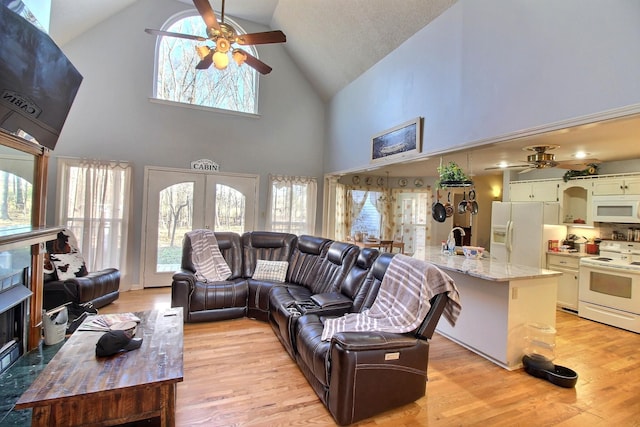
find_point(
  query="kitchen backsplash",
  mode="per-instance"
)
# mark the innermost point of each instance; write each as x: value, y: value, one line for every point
x: 607, y: 231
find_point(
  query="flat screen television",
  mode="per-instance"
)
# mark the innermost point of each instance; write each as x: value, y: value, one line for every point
x: 38, y: 83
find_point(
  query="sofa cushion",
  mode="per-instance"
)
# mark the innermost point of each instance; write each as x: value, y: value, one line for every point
x: 355, y: 285
x: 304, y: 261
x: 331, y: 270
x: 265, y: 245
x: 275, y: 271
x: 69, y: 265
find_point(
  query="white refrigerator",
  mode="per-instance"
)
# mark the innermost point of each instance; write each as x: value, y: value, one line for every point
x: 520, y: 231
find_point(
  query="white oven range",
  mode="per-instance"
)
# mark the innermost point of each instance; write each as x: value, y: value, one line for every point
x: 609, y: 285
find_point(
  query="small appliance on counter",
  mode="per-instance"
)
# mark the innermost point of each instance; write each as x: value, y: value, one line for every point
x: 539, y: 355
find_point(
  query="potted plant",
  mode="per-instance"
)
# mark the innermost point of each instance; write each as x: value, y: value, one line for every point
x: 451, y: 175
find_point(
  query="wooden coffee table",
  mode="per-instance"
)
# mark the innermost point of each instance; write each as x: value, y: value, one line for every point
x: 76, y: 388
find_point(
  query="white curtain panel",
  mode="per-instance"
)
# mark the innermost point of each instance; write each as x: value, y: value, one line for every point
x: 292, y: 204
x: 94, y: 203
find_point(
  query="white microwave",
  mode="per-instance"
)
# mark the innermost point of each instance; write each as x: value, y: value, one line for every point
x: 625, y: 209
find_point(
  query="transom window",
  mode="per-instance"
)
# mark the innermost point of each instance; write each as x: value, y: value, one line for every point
x: 177, y: 79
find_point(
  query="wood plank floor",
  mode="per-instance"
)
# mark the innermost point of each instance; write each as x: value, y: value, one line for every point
x: 237, y: 374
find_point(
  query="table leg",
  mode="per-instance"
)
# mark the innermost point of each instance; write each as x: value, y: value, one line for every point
x: 40, y: 416
x: 168, y: 405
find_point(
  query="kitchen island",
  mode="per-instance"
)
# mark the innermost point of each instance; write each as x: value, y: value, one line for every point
x: 498, y: 300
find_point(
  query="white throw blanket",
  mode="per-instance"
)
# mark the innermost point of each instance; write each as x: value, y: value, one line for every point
x: 207, y: 258
x: 403, y: 300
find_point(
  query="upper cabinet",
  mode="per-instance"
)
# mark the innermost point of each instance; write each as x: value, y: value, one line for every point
x: 534, y: 191
x: 575, y: 202
x: 616, y: 185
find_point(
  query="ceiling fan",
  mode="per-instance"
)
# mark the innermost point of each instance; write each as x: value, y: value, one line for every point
x: 540, y: 159
x: 224, y: 37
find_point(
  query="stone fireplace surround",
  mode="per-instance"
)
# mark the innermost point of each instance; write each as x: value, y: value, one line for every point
x: 14, y: 316
x: 21, y: 278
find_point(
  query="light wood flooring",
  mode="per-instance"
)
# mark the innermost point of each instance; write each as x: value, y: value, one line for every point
x: 237, y: 374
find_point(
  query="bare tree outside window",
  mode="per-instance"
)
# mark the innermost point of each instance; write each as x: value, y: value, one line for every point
x: 178, y: 80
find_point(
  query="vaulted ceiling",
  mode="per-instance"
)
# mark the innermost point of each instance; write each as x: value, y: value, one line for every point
x: 335, y: 41
x: 332, y: 41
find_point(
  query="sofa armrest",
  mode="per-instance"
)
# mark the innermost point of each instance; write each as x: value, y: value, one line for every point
x: 93, y: 285
x: 371, y: 372
x: 332, y: 300
x: 182, y: 286
x: 330, y: 304
x: 372, y: 340
x: 183, y: 275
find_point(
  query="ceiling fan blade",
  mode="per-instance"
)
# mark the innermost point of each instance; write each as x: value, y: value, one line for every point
x: 577, y: 165
x: 254, y: 62
x: 507, y: 167
x: 205, y: 10
x: 262, y: 38
x: 171, y: 34
x: 206, y: 61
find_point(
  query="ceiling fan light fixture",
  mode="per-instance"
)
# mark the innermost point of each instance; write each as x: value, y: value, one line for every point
x: 220, y: 60
x: 541, y: 158
x: 222, y: 45
x: 202, y: 51
x: 239, y: 57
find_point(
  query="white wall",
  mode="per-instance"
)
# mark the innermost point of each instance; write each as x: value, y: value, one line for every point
x: 113, y: 119
x: 488, y: 68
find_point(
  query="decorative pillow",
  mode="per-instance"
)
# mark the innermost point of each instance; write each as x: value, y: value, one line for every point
x: 274, y: 271
x: 64, y: 243
x: 69, y: 265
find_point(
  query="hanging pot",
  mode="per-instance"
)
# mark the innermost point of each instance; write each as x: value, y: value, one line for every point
x: 462, y: 206
x: 439, y: 213
x: 472, y: 204
x: 447, y: 206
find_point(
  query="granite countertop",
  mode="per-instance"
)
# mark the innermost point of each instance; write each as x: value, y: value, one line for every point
x: 484, y: 268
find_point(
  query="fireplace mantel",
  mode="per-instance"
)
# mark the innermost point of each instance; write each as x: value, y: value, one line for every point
x: 14, y: 237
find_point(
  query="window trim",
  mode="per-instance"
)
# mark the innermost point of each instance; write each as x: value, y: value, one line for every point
x: 252, y: 50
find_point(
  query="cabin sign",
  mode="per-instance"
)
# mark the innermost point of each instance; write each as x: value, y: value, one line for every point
x: 205, y: 165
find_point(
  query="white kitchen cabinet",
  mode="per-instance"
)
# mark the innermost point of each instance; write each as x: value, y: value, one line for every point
x: 534, y: 191
x: 616, y: 186
x: 567, y: 283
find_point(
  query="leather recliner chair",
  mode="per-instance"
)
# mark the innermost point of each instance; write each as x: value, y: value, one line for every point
x: 91, y: 289
x: 361, y: 374
x: 263, y: 245
x: 345, y: 269
x: 205, y: 301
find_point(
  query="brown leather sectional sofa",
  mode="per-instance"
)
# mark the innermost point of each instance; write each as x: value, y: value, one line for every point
x: 356, y: 374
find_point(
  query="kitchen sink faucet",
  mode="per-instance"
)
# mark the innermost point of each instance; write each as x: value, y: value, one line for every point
x: 451, y: 240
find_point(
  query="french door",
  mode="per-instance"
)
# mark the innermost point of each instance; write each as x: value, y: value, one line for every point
x: 177, y: 201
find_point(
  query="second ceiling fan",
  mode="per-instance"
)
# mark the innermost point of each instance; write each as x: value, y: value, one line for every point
x: 224, y: 36
x: 540, y: 159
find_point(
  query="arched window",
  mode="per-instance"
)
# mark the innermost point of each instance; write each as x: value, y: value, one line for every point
x: 177, y: 79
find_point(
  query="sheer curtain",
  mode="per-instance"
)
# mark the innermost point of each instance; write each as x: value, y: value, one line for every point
x: 94, y: 204
x: 292, y: 204
x: 342, y: 224
x: 354, y: 207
